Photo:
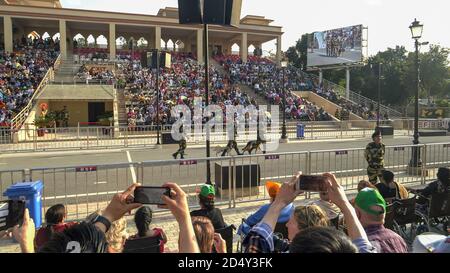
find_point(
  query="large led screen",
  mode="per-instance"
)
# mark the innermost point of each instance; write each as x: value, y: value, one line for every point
x: 336, y: 46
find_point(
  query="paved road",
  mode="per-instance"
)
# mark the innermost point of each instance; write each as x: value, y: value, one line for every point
x: 70, y: 186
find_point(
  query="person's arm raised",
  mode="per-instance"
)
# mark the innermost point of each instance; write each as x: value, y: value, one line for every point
x: 285, y: 196
x: 338, y: 197
x: 180, y: 209
x: 26, y: 233
x: 120, y: 204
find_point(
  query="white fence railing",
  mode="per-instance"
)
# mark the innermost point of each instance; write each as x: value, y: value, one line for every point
x: 30, y: 139
x: 84, y: 189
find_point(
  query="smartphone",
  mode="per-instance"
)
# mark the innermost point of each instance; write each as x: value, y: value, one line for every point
x: 150, y: 195
x: 11, y: 213
x: 313, y: 183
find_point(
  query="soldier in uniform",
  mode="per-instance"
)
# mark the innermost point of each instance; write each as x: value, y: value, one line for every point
x: 182, y: 145
x: 374, y: 155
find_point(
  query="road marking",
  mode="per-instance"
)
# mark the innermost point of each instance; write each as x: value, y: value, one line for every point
x: 100, y: 182
x: 133, y: 172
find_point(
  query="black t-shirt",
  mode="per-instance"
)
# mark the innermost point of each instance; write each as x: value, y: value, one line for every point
x: 215, y: 215
x: 386, y: 191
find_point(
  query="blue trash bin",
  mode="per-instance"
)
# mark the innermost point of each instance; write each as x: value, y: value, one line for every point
x: 300, y: 130
x: 31, y: 193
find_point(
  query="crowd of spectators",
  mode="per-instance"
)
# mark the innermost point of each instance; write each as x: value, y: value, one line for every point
x: 95, y: 73
x: 309, y: 227
x: 267, y: 80
x: 181, y: 84
x: 21, y: 72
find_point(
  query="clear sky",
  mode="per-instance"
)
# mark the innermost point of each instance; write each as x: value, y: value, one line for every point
x: 387, y: 20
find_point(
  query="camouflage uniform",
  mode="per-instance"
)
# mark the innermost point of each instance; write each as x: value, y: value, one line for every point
x: 374, y: 155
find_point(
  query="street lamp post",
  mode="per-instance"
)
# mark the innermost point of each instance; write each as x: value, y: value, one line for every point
x: 206, y: 56
x: 416, y: 32
x: 284, y: 137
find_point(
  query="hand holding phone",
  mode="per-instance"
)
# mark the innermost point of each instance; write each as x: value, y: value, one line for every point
x: 11, y: 213
x: 312, y: 183
x: 151, y: 195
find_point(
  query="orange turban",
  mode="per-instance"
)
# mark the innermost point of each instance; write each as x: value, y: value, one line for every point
x: 273, y: 188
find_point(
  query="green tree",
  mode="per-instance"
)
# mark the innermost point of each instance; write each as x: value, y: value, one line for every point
x: 434, y: 71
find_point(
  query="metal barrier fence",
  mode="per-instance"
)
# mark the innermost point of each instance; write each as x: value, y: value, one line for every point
x: 75, y: 138
x: 84, y: 189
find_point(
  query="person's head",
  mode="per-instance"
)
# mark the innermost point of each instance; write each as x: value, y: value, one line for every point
x: 388, y: 177
x: 55, y: 214
x: 376, y: 137
x: 272, y: 189
x: 206, y: 196
x: 143, y: 219
x: 365, y: 184
x: 322, y: 240
x: 304, y: 217
x: 117, y: 233
x: 443, y: 175
x: 204, y: 233
x: 370, y: 207
x: 81, y: 238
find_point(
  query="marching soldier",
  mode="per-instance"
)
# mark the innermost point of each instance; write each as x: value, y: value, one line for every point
x: 374, y: 155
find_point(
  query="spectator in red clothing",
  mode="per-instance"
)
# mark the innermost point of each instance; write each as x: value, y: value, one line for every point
x: 54, y: 219
x: 143, y: 219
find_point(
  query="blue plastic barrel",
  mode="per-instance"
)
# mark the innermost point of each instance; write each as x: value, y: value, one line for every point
x: 31, y: 193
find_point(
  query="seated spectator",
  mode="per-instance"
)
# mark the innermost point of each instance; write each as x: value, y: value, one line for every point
x: 441, y: 185
x: 362, y: 185
x: 305, y: 217
x: 206, y: 199
x: 143, y: 219
x: 259, y: 239
x: 116, y: 235
x: 285, y: 214
x: 54, y: 222
x: 90, y: 237
x: 371, y: 210
x: 332, y: 211
x: 322, y: 240
x: 390, y: 189
x: 206, y: 238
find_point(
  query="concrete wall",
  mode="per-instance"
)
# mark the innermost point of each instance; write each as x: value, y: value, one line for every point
x: 78, y: 110
x: 330, y: 107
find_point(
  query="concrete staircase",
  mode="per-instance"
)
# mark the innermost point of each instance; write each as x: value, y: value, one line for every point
x: 66, y: 71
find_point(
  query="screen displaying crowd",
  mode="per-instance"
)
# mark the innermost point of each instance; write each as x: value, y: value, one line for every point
x: 337, y: 46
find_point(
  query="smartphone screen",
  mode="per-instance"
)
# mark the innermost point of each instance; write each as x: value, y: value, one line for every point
x: 314, y: 183
x: 150, y: 195
x: 11, y: 213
